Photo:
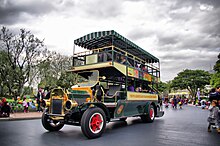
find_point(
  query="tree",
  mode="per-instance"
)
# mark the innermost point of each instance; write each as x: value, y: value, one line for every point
x: 53, y: 71
x: 215, y: 80
x: 66, y: 80
x: 191, y: 80
x: 165, y: 87
x: 162, y: 86
x: 6, y: 75
x: 22, y: 52
x: 217, y: 65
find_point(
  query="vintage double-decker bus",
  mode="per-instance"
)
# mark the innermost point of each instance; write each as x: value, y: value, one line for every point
x: 116, y: 79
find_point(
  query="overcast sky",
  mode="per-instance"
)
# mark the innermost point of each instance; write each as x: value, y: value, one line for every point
x: 183, y: 34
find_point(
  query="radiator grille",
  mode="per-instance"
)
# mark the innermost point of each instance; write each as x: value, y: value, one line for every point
x: 56, y: 106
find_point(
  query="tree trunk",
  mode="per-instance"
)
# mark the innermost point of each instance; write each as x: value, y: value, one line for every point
x: 193, y: 94
x: 1, y: 91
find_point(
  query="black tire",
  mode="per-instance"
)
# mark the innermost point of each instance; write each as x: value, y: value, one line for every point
x: 93, y: 122
x: 149, y: 116
x: 50, y: 125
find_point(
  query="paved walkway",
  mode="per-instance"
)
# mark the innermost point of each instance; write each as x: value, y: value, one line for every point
x: 22, y: 116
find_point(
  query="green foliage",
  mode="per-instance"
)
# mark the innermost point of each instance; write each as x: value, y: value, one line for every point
x: 66, y: 80
x: 20, y: 53
x: 28, y: 90
x: 217, y: 64
x: 52, y: 72
x: 191, y: 80
x: 215, y: 80
x: 49, y: 81
x: 26, y: 61
x: 162, y: 86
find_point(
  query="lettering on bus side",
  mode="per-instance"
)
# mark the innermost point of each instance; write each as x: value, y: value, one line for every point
x: 141, y: 96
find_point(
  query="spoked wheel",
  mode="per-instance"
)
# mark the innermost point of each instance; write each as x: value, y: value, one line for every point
x: 150, y: 116
x: 93, y: 122
x: 50, y: 125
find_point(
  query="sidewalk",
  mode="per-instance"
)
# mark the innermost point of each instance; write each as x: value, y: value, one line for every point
x: 22, y: 116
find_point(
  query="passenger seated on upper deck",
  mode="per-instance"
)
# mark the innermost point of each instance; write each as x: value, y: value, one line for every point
x: 124, y: 61
x: 105, y: 56
x: 144, y: 68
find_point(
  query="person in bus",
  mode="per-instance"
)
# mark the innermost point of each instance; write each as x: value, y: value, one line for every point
x: 138, y: 88
x: 131, y: 87
x: 123, y: 60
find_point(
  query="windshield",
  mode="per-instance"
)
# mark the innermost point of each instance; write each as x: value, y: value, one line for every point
x: 88, y: 78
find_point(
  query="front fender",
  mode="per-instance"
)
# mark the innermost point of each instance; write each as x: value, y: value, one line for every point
x: 100, y: 105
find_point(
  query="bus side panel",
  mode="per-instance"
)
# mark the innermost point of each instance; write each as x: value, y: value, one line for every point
x: 131, y: 108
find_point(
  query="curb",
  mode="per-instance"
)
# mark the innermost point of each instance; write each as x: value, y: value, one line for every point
x: 19, y: 119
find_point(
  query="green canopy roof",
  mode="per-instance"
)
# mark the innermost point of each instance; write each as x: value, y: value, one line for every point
x: 106, y: 38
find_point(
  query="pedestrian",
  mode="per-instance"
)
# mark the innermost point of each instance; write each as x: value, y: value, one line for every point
x: 40, y: 96
x: 5, y: 109
x: 31, y: 104
x: 218, y: 95
x: 180, y: 103
x: 218, y: 104
x: 186, y: 101
x: 25, y: 105
x: 175, y: 102
x: 213, y: 115
x: 213, y: 95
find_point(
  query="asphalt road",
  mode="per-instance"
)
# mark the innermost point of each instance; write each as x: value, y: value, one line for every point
x: 186, y: 127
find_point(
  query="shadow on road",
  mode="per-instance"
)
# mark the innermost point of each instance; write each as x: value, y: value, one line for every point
x: 74, y: 132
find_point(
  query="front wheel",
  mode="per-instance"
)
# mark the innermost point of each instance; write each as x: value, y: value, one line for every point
x: 150, y: 116
x: 50, y: 125
x: 93, y: 122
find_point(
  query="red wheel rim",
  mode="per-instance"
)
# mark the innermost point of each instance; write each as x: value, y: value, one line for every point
x: 96, y: 123
x: 152, y: 113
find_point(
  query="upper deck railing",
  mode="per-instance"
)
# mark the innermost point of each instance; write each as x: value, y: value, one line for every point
x: 115, y: 54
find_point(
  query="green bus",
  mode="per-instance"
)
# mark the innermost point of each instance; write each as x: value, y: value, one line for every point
x: 116, y: 79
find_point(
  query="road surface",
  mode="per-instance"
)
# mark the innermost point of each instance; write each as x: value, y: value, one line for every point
x: 186, y: 127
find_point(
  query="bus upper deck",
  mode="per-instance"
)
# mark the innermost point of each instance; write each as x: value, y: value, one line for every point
x: 108, y: 48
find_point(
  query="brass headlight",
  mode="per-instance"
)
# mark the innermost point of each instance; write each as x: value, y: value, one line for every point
x: 69, y: 105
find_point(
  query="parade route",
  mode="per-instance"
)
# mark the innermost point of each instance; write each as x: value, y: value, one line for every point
x: 178, y: 127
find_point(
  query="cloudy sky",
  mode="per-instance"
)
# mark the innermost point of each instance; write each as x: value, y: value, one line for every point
x: 183, y: 34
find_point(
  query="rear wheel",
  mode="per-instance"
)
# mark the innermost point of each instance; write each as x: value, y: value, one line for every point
x: 150, y: 116
x: 93, y: 122
x: 50, y: 125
